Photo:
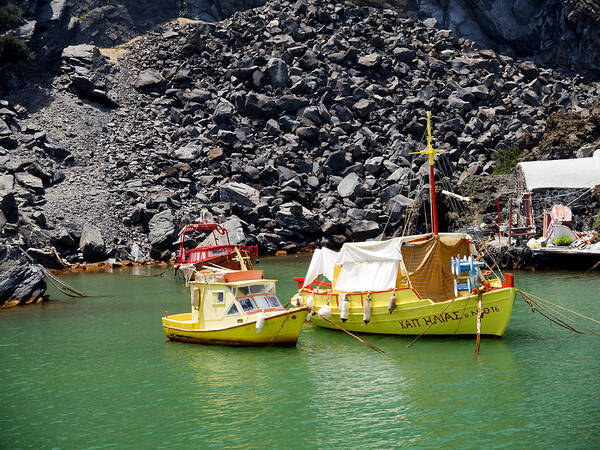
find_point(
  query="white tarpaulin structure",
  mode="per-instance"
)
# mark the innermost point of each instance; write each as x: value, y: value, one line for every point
x: 322, y: 263
x: 366, y: 266
x: 561, y: 173
x: 369, y: 265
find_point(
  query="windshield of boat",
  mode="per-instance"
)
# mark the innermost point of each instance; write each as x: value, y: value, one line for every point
x: 247, y: 304
x: 259, y: 301
x: 262, y: 288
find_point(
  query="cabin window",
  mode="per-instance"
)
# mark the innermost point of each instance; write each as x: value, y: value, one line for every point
x: 261, y: 301
x: 233, y: 311
x: 242, y: 291
x: 219, y: 298
x: 256, y: 289
x: 274, y: 301
x: 246, y: 304
x: 263, y: 288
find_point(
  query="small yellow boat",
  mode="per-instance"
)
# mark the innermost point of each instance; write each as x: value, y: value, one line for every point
x: 235, y: 308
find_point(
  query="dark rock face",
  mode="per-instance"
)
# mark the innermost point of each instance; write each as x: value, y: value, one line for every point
x: 553, y: 32
x: 20, y: 282
x: 55, y: 24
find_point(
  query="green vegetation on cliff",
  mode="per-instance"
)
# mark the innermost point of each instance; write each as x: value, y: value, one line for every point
x: 13, y: 51
x: 507, y: 158
x: 10, y: 15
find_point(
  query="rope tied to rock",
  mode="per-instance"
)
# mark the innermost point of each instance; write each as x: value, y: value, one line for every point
x: 62, y: 286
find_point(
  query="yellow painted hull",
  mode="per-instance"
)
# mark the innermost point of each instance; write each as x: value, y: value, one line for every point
x: 414, y: 316
x: 280, y: 328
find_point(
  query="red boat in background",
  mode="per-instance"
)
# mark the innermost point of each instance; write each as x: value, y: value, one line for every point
x: 223, y: 253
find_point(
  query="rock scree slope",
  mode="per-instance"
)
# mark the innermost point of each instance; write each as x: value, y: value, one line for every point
x: 297, y: 117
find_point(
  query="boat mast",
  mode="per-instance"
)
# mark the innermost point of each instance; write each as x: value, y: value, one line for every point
x: 430, y: 152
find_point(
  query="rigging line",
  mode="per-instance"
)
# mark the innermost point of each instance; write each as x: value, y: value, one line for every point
x: 454, y: 203
x: 270, y: 346
x: 574, y: 200
x: 566, y: 194
x: 566, y: 319
x: 558, y: 306
x: 64, y: 286
x: 411, y: 214
x: 556, y: 315
x: 60, y: 288
x: 388, y: 220
x: 533, y: 309
x: 482, y: 257
x: 461, y: 317
x: 549, y: 316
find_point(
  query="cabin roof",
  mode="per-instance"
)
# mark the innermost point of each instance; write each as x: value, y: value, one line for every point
x: 236, y: 283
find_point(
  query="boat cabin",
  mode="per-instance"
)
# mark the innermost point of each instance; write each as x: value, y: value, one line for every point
x: 219, y: 303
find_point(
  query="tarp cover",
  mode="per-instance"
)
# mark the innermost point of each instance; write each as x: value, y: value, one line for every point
x: 428, y: 265
x: 371, y: 265
x: 367, y: 276
x: 322, y: 263
x: 562, y: 173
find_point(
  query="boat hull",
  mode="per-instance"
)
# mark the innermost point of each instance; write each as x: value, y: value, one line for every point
x: 453, y: 317
x: 280, y: 329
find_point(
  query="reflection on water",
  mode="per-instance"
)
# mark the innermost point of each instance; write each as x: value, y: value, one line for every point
x: 99, y: 372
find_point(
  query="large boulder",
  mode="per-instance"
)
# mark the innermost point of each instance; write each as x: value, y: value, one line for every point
x: 92, y: 244
x: 363, y: 230
x: 20, y: 282
x: 163, y: 230
x: 78, y: 54
x: 29, y: 181
x: 148, y: 78
x: 278, y: 71
x: 348, y: 185
x: 235, y: 231
x: 239, y: 193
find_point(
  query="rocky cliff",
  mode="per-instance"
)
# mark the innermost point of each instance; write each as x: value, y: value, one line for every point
x: 52, y: 25
x: 556, y: 33
x: 299, y: 118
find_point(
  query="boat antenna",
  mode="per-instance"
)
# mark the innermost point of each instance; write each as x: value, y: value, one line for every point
x: 430, y: 152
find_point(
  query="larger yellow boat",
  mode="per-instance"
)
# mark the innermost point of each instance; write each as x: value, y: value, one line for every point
x: 406, y: 286
x: 235, y: 308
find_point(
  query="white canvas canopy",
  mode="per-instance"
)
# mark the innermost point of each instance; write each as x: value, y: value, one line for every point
x: 562, y: 173
x: 366, y: 266
x: 322, y: 263
x: 369, y: 265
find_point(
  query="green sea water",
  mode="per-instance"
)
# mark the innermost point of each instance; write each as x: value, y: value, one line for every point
x: 99, y: 373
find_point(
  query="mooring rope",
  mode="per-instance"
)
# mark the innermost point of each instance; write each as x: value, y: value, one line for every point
x: 61, y: 285
x: 555, y: 316
x: 270, y: 346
